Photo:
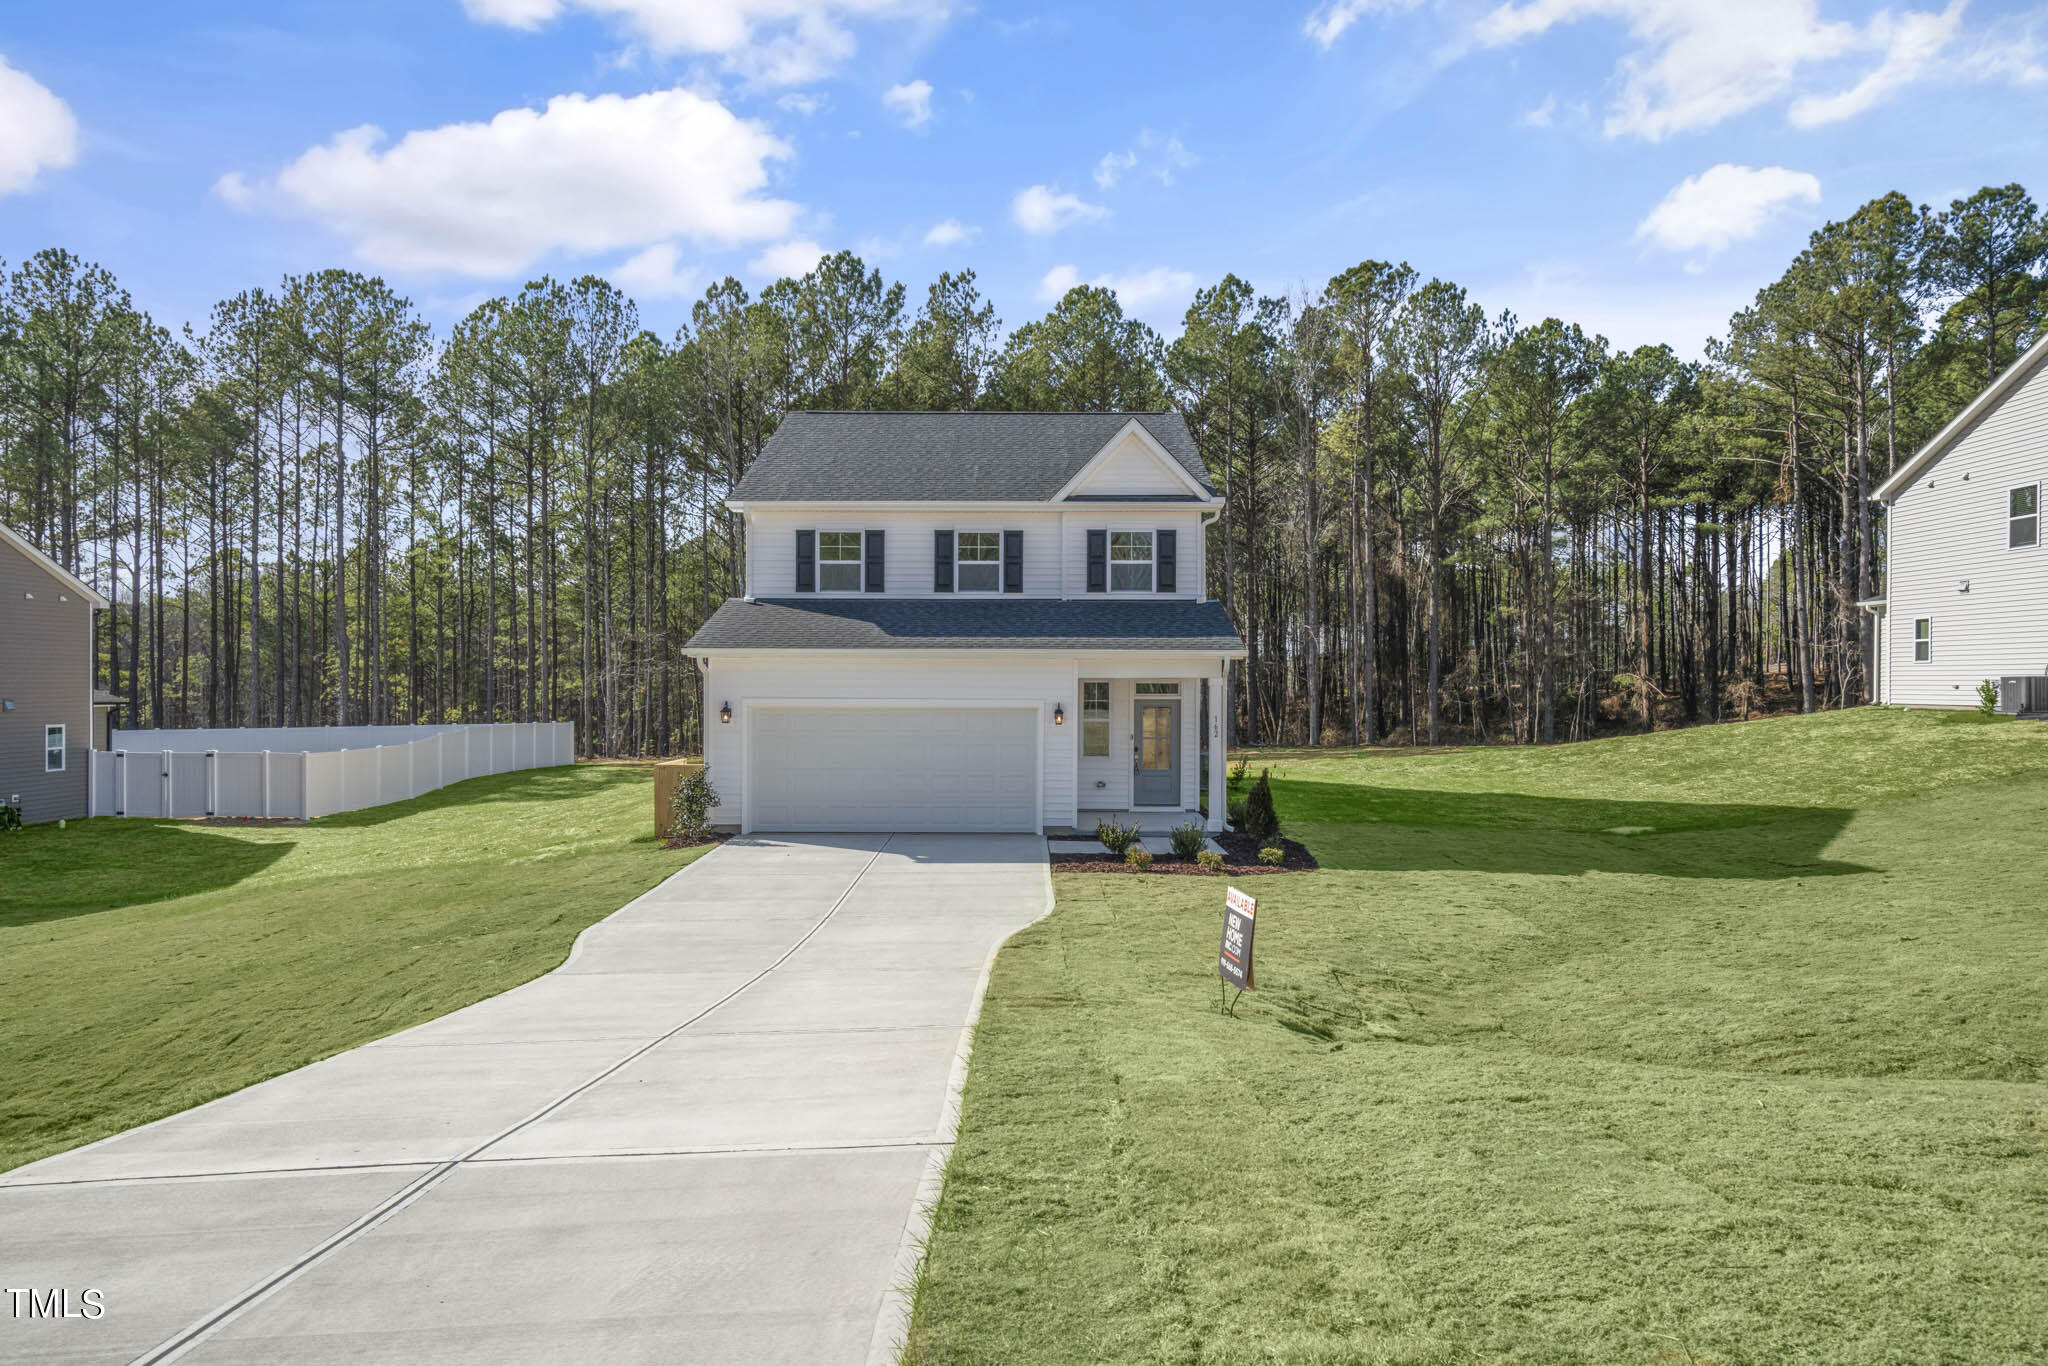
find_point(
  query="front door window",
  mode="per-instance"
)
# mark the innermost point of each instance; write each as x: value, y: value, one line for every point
x: 1156, y: 776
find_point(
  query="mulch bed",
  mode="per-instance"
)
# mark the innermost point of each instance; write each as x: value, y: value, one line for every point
x: 1240, y: 859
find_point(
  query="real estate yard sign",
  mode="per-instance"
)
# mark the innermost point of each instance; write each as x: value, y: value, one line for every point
x: 1234, y: 963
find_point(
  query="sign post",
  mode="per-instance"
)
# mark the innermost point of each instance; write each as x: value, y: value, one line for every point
x: 1234, y: 961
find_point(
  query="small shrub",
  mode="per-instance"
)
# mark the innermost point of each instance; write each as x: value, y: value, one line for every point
x: 1116, y: 838
x: 1188, y: 840
x: 1236, y: 812
x: 1239, y: 765
x: 1987, y: 698
x: 1138, y: 857
x: 10, y: 819
x: 689, y: 819
x: 1273, y: 854
x: 1260, y: 821
x: 1210, y: 860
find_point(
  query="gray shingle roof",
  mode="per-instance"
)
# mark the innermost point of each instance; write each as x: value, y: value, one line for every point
x: 914, y: 456
x: 977, y: 624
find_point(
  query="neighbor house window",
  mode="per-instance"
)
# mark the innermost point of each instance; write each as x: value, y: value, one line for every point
x: 839, y: 562
x: 1095, y: 720
x: 2023, y: 517
x: 1923, y: 640
x: 53, y: 749
x: 978, y: 561
x: 1130, y: 561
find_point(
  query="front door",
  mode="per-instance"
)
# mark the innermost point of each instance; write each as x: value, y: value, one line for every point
x: 1156, y: 780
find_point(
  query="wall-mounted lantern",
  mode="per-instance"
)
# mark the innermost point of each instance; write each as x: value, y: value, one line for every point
x: 1059, y: 714
x: 725, y: 715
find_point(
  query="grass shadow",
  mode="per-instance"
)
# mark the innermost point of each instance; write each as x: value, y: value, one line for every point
x: 1398, y: 829
x: 108, y: 863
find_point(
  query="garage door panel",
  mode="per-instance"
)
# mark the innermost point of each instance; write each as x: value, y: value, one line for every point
x: 895, y: 768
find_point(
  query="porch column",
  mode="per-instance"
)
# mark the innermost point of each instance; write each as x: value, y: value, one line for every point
x: 1218, y: 759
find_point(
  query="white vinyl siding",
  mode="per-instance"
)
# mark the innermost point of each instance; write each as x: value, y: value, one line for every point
x: 1130, y: 468
x: 1945, y: 530
x: 1188, y: 544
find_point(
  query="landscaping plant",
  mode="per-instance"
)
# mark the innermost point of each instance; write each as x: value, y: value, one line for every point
x: 1138, y: 857
x: 690, y: 809
x: 1987, y: 698
x: 1188, y: 840
x: 1210, y: 861
x: 10, y: 819
x: 1273, y: 854
x: 1116, y: 838
x: 1260, y: 820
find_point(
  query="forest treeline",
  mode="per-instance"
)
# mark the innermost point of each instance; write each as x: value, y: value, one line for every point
x: 1442, y: 522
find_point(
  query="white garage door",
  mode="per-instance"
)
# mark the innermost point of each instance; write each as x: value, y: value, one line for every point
x: 894, y: 768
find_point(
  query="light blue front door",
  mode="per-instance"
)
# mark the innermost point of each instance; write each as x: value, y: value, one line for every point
x: 1155, y: 748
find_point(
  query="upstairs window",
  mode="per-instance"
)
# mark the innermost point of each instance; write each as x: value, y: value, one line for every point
x: 839, y: 562
x: 2023, y: 517
x: 1130, y: 561
x: 1923, y: 640
x: 53, y: 749
x: 978, y: 561
x: 1095, y: 720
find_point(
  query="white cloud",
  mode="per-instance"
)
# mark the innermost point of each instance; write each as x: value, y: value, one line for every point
x: 1725, y: 204
x: 1543, y: 115
x: 1143, y: 291
x: 1326, y: 23
x: 910, y: 102
x: 796, y: 102
x: 788, y: 259
x: 1111, y: 168
x: 1913, y: 43
x: 781, y: 42
x: 950, y: 232
x: 1692, y: 65
x: 41, y: 133
x: 1042, y: 210
x: 657, y: 273
x: 1161, y: 156
x: 585, y: 174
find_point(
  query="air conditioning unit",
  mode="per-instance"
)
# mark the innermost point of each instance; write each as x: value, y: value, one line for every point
x: 2024, y: 693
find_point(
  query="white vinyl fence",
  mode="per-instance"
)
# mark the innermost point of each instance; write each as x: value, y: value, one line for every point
x: 299, y: 772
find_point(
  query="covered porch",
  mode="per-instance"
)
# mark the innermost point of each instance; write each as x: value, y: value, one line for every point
x: 1148, y: 742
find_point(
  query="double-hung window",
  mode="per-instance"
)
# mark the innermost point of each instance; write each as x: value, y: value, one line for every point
x: 839, y: 562
x: 978, y: 561
x: 1923, y: 640
x: 1130, y: 561
x: 1095, y: 720
x: 53, y: 749
x: 2023, y: 517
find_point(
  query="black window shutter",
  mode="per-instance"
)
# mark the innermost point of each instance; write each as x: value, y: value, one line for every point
x: 1164, y: 539
x: 874, y: 549
x: 1013, y: 561
x: 807, y: 562
x: 942, y: 561
x: 1098, y: 561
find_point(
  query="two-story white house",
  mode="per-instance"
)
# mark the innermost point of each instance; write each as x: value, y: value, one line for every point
x: 969, y: 622
x: 1966, y: 555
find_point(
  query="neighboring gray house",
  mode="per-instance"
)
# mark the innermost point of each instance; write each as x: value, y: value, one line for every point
x: 47, y: 701
x: 969, y: 621
x: 1966, y: 554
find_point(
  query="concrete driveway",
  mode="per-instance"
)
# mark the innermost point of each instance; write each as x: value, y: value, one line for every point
x: 711, y: 1135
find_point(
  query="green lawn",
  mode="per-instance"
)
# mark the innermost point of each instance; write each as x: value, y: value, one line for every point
x: 1760, y: 1080
x: 146, y: 966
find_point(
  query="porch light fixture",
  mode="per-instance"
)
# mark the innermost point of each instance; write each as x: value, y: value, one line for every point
x: 1059, y: 714
x: 725, y: 714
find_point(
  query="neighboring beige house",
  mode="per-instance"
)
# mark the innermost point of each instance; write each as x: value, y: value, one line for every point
x: 1966, y: 555
x: 47, y: 702
x: 969, y: 621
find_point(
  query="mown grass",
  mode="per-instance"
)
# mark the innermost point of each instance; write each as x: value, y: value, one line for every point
x: 147, y: 966
x: 1761, y: 1081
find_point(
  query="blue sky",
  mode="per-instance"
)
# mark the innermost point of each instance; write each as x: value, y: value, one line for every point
x: 1639, y: 166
